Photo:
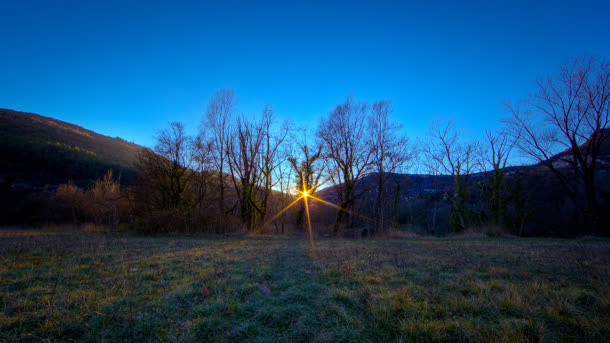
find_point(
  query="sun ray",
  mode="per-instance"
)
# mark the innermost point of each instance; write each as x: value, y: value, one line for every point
x: 305, y: 194
x: 313, y: 249
x: 282, y: 211
x: 340, y: 208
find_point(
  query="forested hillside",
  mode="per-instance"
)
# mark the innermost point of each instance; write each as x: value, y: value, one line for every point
x: 38, y: 154
x: 36, y: 151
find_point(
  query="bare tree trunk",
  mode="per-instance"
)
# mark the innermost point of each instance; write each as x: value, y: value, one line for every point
x: 592, y: 211
x: 218, y: 115
x: 379, y: 224
x: 220, y: 226
x: 434, y: 211
x: 396, y: 205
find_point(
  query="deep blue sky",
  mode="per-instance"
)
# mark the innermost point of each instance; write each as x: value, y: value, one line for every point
x: 126, y: 68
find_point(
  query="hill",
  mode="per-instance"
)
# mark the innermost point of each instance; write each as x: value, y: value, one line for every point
x: 604, y: 152
x: 36, y: 151
x: 39, y: 153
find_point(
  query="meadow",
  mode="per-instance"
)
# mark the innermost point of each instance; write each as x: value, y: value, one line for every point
x: 60, y: 285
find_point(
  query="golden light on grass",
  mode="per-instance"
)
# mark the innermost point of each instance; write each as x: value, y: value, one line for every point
x: 313, y: 248
x: 307, y: 194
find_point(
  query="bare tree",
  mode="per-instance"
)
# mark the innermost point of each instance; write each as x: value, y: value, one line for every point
x: 344, y: 145
x: 217, y: 120
x: 495, y: 157
x: 173, y: 145
x: 146, y: 193
x: 570, y: 112
x: 202, y: 150
x: 283, y: 173
x: 162, y: 200
x: 307, y: 172
x: 243, y: 155
x: 390, y: 153
x: 436, y: 194
x: 520, y: 200
x: 447, y: 152
x: 270, y: 157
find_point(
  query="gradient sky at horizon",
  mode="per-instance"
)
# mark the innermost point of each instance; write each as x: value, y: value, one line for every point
x: 127, y: 68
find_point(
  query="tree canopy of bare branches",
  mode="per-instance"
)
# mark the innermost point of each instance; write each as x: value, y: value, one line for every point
x: 391, y: 153
x: 243, y: 154
x: 569, y: 111
x: 343, y: 137
x: 217, y: 122
x: 162, y: 198
x: 173, y: 146
x: 308, y: 172
x: 270, y: 157
x: 494, y: 157
x: 449, y: 154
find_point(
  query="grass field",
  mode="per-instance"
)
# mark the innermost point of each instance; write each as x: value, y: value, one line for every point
x: 73, y: 286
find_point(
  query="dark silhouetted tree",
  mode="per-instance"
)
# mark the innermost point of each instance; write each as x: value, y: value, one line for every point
x: 343, y: 135
x: 494, y: 158
x: 243, y: 155
x: 390, y: 155
x: 217, y: 122
x: 446, y: 151
x: 569, y: 112
x: 270, y: 158
x: 307, y: 172
x: 162, y: 198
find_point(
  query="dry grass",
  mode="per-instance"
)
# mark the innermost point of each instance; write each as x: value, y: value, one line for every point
x: 68, y: 285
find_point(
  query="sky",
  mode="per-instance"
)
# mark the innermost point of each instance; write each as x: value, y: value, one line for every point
x: 127, y: 68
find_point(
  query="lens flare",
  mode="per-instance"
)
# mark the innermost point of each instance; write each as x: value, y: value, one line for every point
x: 313, y: 248
x: 282, y: 211
x: 306, y: 194
x: 341, y: 208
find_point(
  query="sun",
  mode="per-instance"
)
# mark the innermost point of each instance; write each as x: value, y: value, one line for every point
x: 306, y: 194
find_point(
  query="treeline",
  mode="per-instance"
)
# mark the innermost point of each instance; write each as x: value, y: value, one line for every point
x: 239, y: 172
